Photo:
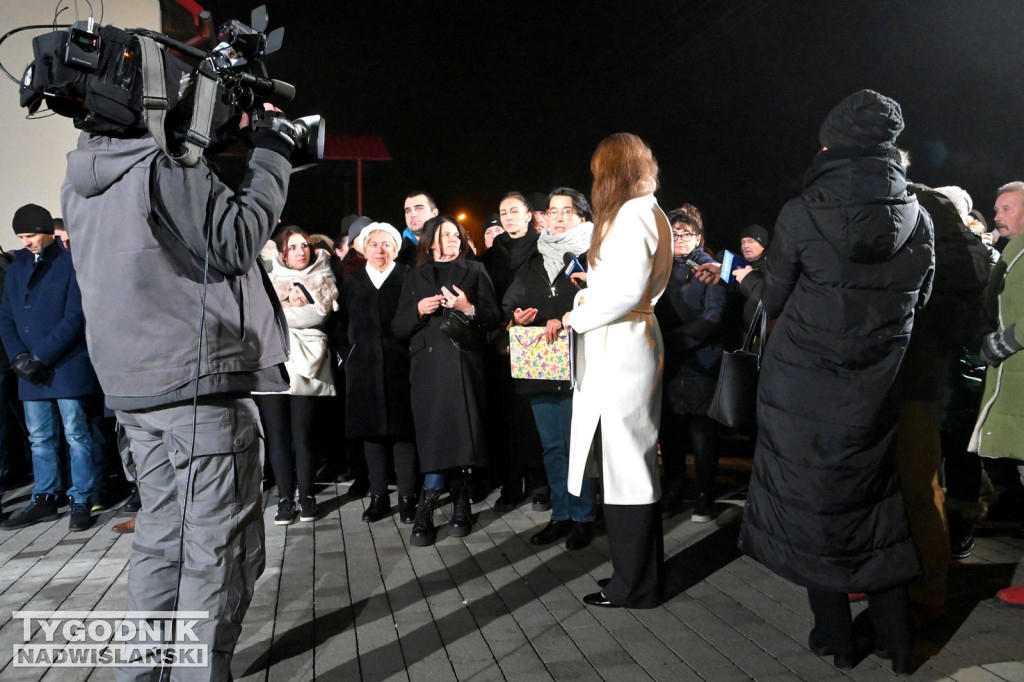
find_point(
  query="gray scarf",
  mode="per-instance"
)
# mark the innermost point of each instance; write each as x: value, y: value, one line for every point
x: 553, y: 246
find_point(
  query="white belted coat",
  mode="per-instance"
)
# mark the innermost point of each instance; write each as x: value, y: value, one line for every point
x: 620, y: 357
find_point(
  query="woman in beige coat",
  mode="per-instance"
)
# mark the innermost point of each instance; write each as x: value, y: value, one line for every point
x: 620, y: 358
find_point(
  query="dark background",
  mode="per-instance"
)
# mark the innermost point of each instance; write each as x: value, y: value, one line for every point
x: 475, y: 99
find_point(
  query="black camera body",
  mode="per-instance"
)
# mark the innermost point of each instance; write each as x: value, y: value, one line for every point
x: 96, y: 76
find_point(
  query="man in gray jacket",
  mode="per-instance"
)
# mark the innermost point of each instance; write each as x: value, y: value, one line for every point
x: 182, y: 326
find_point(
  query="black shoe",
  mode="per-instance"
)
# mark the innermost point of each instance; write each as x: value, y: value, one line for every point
x: 703, y: 509
x: 379, y: 507
x: 671, y: 502
x: 508, y: 501
x: 902, y: 661
x: 581, y: 535
x: 603, y: 582
x: 407, y: 508
x: 423, y: 530
x: 961, y: 544
x: 285, y: 512
x: 134, y: 503
x: 42, y: 508
x: 843, y: 661
x: 598, y: 599
x: 358, y: 489
x: 553, y: 532
x: 541, y: 502
x: 81, y: 518
x: 307, y: 509
x: 462, y: 514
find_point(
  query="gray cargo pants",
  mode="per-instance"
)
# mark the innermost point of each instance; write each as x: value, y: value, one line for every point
x: 223, y: 527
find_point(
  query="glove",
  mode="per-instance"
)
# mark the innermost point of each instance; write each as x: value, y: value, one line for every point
x: 261, y: 134
x: 30, y: 368
x: 998, y: 346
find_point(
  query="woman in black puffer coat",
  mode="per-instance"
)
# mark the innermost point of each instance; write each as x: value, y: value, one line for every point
x: 690, y: 315
x: 852, y: 261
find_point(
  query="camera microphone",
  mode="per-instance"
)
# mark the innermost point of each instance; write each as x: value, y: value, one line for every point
x: 269, y: 87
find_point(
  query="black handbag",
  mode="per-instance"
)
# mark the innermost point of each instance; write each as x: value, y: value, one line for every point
x: 735, y: 400
x: 464, y: 330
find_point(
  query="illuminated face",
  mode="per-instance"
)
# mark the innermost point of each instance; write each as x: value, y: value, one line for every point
x: 379, y: 249
x: 447, y: 243
x: 540, y: 221
x: 490, y: 233
x: 297, y: 253
x: 36, y: 241
x: 751, y: 248
x: 1010, y: 213
x: 684, y: 239
x: 562, y: 214
x: 417, y: 212
x: 514, y: 217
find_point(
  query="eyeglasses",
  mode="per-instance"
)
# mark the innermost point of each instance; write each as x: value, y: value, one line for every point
x: 681, y: 236
x: 298, y: 247
x: 565, y: 212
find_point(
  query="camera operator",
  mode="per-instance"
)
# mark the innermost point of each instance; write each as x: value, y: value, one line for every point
x: 164, y: 252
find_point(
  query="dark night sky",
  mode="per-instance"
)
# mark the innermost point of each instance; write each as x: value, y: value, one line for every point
x: 474, y: 99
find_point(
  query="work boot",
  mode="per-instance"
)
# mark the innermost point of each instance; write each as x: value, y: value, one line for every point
x: 462, y: 514
x: 41, y: 508
x: 423, y: 531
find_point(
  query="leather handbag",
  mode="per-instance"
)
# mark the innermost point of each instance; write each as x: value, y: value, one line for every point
x: 532, y: 357
x: 735, y: 400
x: 464, y: 330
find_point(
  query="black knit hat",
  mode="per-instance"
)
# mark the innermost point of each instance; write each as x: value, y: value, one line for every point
x: 757, y: 232
x: 32, y: 219
x: 863, y: 120
x: 492, y: 221
x: 538, y: 201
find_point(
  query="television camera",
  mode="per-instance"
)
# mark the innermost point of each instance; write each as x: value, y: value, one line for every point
x: 121, y: 83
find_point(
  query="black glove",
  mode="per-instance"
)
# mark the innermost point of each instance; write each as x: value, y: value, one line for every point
x: 30, y: 368
x: 261, y: 134
x: 998, y: 346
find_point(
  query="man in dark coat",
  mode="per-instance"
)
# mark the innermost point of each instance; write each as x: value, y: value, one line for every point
x: 852, y: 261
x: 43, y: 331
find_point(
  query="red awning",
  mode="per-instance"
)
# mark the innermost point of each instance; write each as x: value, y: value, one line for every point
x: 355, y: 148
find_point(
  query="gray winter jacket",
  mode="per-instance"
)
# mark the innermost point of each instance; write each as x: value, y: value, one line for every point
x: 140, y: 227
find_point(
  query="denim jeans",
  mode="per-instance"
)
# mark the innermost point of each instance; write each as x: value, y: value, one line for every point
x: 553, y: 414
x: 44, y: 435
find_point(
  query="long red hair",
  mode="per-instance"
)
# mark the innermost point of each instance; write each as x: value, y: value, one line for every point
x: 624, y: 168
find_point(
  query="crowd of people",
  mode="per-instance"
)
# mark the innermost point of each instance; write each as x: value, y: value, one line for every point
x: 884, y: 302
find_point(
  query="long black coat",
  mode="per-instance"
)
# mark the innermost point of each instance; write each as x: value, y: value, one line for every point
x: 376, y: 361
x: 852, y: 259
x: 690, y: 315
x: 448, y: 387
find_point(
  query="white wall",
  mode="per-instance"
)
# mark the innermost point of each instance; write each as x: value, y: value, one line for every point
x: 32, y: 152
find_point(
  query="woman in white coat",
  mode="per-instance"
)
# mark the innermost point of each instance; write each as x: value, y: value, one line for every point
x: 617, y: 402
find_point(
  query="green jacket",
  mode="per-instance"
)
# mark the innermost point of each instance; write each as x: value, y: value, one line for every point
x: 1000, y: 428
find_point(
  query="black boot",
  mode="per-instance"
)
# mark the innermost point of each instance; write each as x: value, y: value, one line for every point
x: 423, y: 531
x: 407, y: 508
x: 379, y: 507
x: 462, y: 514
x: 41, y: 508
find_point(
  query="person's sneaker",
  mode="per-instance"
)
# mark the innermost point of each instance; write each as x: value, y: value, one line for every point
x: 541, y: 502
x: 42, y: 508
x: 285, y: 512
x: 703, y: 509
x: 1012, y: 596
x: 307, y: 509
x: 81, y: 518
x: 961, y: 543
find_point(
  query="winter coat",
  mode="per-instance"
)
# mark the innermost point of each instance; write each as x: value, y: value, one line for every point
x: 999, y: 431
x: 376, y: 362
x: 852, y: 260
x: 41, y: 313
x: 447, y: 384
x: 506, y: 256
x: 619, y: 356
x: 309, y: 358
x: 552, y: 299
x: 690, y: 313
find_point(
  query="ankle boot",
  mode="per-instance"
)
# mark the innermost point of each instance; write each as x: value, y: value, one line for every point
x: 423, y: 531
x: 462, y: 514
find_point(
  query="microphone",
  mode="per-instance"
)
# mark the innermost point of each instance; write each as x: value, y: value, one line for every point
x: 269, y: 87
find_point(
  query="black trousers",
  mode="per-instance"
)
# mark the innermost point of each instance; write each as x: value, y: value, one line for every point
x: 889, y: 611
x: 701, y: 434
x: 638, y: 549
x: 377, y: 451
x: 288, y: 419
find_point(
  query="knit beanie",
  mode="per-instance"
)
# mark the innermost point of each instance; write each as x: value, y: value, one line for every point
x: 384, y: 227
x: 32, y: 219
x: 960, y: 199
x: 863, y: 120
x: 757, y: 232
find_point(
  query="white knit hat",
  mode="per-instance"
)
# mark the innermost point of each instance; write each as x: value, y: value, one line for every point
x: 384, y: 227
x: 960, y: 198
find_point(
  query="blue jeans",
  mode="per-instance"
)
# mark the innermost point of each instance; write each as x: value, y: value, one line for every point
x: 43, y: 433
x: 553, y: 414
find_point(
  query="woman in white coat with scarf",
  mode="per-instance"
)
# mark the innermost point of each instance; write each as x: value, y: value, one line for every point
x: 617, y: 401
